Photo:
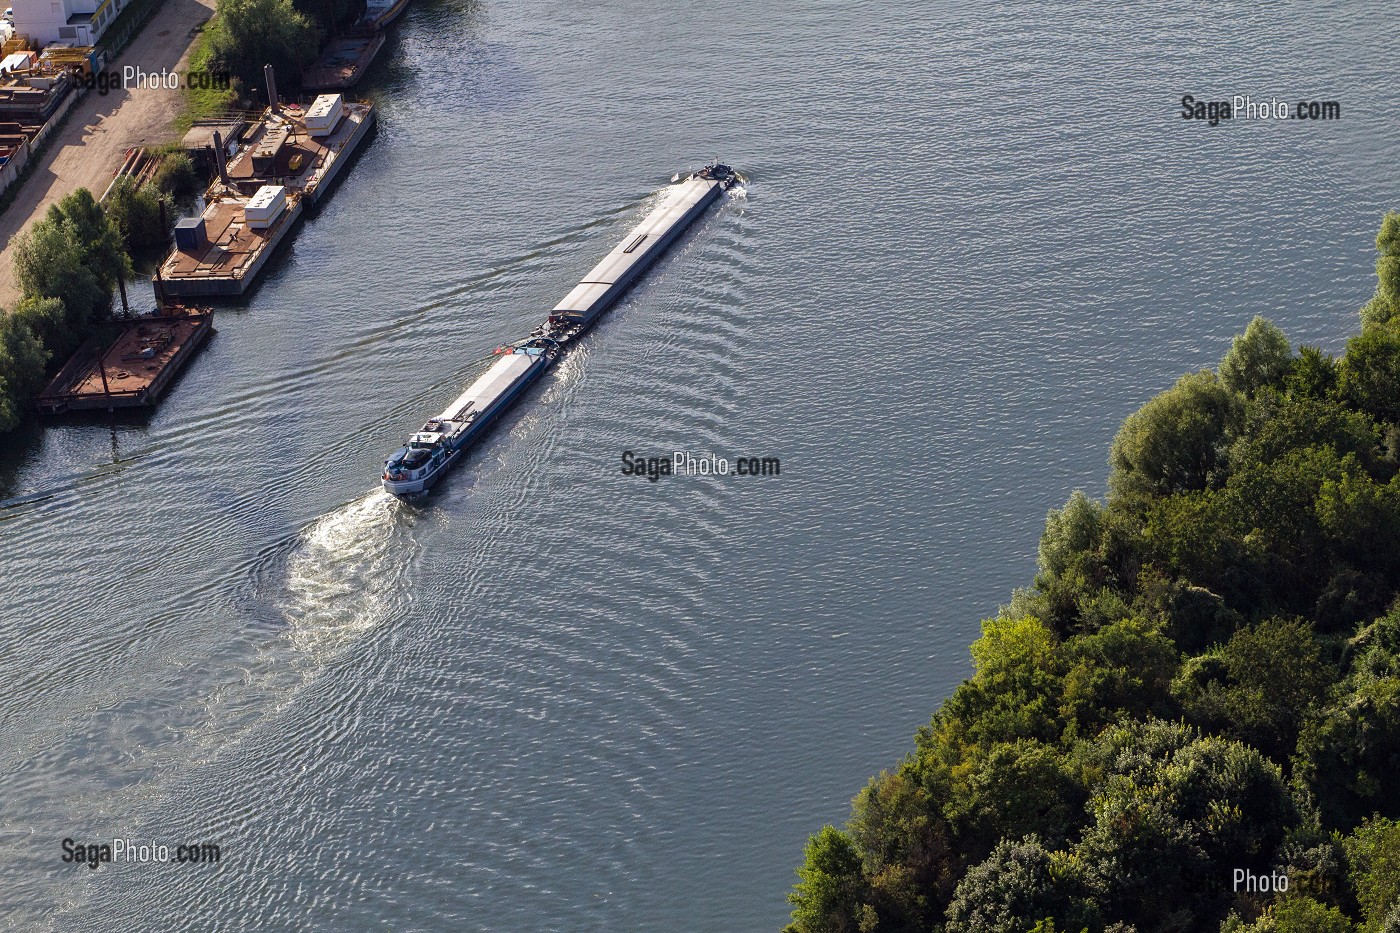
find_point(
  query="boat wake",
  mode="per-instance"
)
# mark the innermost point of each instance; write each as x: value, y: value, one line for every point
x: 344, y: 575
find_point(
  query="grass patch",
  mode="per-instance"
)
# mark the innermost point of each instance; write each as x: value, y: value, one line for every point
x: 204, y: 103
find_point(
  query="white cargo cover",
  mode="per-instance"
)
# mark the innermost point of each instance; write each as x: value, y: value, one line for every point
x: 264, y: 206
x: 494, y: 383
x: 639, y: 248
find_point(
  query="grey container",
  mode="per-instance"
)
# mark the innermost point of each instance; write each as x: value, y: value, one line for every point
x: 190, y: 234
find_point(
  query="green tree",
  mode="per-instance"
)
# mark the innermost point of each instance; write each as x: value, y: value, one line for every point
x: 1373, y: 851
x: 22, y: 352
x: 75, y: 254
x: 1293, y: 914
x: 830, y: 893
x: 1360, y: 520
x: 1276, y: 426
x: 1015, y: 690
x: 1014, y: 789
x: 135, y: 209
x: 176, y: 175
x: 1259, y: 687
x: 23, y: 356
x: 1069, y: 532
x: 331, y: 15
x: 1370, y: 373
x: 1123, y: 670
x: 45, y: 318
x: 1018, y: 888
x: 1382, y: 307
x: 1257, y: 358
x: 98, y: 239
x: 1349, y: 752
x: 1252, y: 526
x: 1173, y: 812
x: 1313, y: 375
x: 906, y: 846
x: 248, y: 34
x: 50, y: 263
x: 1176, y: 441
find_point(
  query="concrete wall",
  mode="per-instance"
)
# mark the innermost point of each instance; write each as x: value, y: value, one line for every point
x: 11, y: 171
x: 46, y: 21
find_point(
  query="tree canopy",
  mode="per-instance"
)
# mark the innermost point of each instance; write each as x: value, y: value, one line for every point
x: 67, y: 264
x: 1204, y: 679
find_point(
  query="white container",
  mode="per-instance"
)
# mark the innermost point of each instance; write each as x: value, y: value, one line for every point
x: 324, y: 114
x: 263, y: 209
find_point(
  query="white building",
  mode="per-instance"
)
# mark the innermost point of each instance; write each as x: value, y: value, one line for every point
x: 78, y: 22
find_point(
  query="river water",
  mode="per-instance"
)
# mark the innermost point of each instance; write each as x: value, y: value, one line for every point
x: 553, y: 697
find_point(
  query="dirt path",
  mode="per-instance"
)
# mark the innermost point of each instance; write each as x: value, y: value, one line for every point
x: 92, y: 144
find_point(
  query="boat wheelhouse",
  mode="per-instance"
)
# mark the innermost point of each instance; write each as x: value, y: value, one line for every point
x: 428, y: 452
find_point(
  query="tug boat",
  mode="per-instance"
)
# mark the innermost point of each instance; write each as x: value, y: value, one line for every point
x: 442, y: 441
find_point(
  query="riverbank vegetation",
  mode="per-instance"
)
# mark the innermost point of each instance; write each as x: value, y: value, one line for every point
x: 144, y: 213
x: 245, y: 35
x: 1199, y: 694
x: 68, y: 265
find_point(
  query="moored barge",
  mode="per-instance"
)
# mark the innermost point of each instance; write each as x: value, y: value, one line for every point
x: 134, y: 369
x: 293, y: 157
x: 380, y: 13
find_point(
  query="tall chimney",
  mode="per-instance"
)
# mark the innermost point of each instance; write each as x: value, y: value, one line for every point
x: 221, y: 157
x: 271, y: 86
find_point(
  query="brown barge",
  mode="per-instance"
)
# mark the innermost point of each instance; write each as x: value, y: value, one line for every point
x: 134, y: 369
x: 343, y: 63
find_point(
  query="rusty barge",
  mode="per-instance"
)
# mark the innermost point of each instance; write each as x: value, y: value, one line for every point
x: 132, y: 371
x: 290, y: 160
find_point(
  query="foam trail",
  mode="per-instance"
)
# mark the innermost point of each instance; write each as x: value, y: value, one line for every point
x: 343, y: 575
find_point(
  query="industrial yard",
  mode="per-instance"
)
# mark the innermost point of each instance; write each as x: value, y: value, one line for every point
x: 96, y: 134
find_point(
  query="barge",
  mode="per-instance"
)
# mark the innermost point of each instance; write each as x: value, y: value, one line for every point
x: 292, y: 159
x: 429, y: 452
x: 134, y: 369
x: 343, y: 62
x: 638, y: 251
x: 380, y: 13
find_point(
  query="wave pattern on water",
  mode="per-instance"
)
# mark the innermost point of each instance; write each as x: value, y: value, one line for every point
x: 554, y: 697
x: 344, y: 578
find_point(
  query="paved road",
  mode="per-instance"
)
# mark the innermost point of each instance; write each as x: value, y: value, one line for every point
x: 93, y: 143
